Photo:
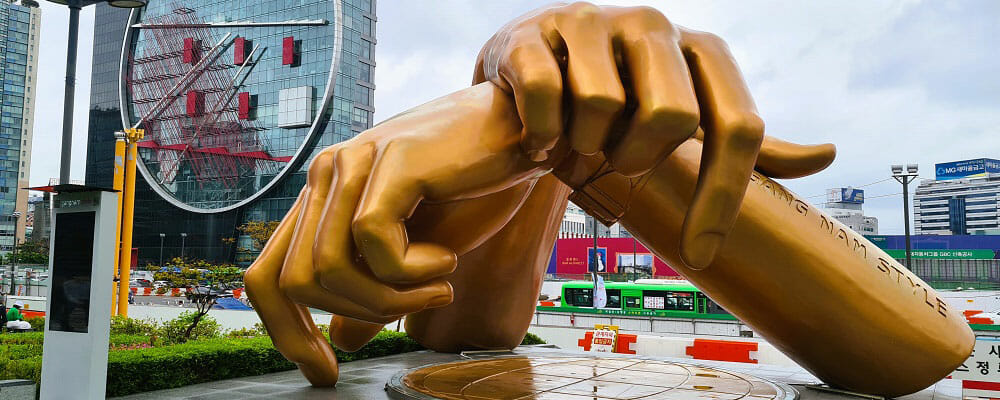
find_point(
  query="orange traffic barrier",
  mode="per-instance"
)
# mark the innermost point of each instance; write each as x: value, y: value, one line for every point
x: 722, y: 350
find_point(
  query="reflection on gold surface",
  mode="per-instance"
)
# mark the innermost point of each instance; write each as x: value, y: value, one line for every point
x: 583, y: 378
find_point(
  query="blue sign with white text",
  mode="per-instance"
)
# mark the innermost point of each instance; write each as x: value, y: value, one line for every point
x: 966, y: 169
x: 851, y: 195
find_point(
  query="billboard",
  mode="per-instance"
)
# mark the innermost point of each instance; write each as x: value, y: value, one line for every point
x: 614, y: 255
x: 966, y: 169
x: 851, y: 195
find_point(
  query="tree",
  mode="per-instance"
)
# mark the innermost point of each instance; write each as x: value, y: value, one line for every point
x: 204, y: 284
x: 29, y: 253
x: 259, y: 231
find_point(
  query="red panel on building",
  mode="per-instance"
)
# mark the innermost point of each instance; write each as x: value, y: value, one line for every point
x: 191, y: 50
x: 244, y: 107
x: 288, y: 53
x: 195, y: 103
x: 240, y: 51
x: 572, y: 255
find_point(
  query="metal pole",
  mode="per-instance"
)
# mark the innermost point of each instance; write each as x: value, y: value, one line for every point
x: 161, y: 249
x: 68, y: 98
x: 906, y: 219
x: 593, y: 268
x: 128, y: 213
x: 13, y: 259
x: 118, y: 184
x: 635, y: 262
x: 183, y: 237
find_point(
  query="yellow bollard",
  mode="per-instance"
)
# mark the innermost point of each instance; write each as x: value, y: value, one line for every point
x: 118, y: 184
x: 128, y: 212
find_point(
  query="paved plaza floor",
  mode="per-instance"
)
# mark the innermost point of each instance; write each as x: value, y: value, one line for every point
x: 367, y: 379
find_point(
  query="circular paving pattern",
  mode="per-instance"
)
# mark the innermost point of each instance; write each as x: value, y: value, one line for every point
x: 577, y: 378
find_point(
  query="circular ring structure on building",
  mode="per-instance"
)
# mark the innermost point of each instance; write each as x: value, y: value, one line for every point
x: 571, y: 378
x: 232, y: 94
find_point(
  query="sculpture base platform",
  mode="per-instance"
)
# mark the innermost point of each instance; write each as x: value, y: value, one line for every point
x: 509, y: 376
x: 373, y: 379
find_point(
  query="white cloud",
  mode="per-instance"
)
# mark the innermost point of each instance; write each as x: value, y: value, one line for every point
x: 887, y: 81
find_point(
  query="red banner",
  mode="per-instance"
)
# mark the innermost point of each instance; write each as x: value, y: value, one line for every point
x: 615, y: 255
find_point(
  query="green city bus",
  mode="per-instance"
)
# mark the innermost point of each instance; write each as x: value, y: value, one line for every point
x: 645, y: 298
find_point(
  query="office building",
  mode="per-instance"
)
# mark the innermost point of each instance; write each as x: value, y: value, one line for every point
x: 254, y: 89
x: 577, y: 224
x: 845, y: 204
x: 963, y: 199
x: 19, y: 21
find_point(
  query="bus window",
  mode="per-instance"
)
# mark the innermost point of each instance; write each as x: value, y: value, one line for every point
x: 614, y: 298
x: 680, y: 301
x: 714, y: 308
x: 580, y: 297
x: 685, y: 303
x: 633, y: 302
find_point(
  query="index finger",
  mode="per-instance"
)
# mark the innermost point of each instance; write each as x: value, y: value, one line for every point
x: 733, y: 135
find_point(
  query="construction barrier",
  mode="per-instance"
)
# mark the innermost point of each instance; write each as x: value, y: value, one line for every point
x: 751, y: 352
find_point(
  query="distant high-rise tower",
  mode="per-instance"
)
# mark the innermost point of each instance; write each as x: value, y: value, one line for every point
x: 19, y: 72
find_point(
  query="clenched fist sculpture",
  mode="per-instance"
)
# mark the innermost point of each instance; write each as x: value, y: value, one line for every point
x: 447, y: 213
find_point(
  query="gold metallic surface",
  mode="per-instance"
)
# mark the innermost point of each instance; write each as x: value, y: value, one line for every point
x: 127, y: 214
x: 584, y: 378
x: 447, y: 213
x: 118, y: 185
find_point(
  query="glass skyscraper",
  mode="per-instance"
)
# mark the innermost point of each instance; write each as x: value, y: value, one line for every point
x: 19, y: 72
x: 236, y: 97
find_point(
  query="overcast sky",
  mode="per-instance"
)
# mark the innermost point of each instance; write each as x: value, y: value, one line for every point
x: 887, y: 81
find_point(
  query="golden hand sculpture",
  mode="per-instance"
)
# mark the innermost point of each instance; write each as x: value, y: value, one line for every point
x: 386, y: 217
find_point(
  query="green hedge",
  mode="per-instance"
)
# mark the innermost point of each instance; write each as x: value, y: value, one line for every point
x: 135, y: 371
x: 197, y: 361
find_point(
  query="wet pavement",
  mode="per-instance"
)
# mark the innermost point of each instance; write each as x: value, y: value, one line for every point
x: 565, y: 375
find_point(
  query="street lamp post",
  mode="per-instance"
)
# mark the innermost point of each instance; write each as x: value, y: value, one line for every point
x: 183, y: 236
x: 70, y: 93
x: 13, y: 258
x: 905, y: 178
x: 162, y: 235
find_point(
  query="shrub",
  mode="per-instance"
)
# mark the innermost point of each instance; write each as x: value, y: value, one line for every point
x: 531, y: 338
x: 131, y: 326
x: 28, y: 368
x: 161, y: 290
x: 173, y: 331
x: 135, y: 367
x: 256, y: 330
x: 134, y: 371
x: 22, y: 338
x: 120, y: 340
x: 37, y: 323
x: 384, y: 343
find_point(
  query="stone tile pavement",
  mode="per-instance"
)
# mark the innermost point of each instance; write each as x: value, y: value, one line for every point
x: 366, y: 379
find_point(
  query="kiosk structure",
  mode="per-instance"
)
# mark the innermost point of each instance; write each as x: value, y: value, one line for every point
x: 78, y: 317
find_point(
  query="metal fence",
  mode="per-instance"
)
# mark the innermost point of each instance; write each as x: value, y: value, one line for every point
x: 954, y: 273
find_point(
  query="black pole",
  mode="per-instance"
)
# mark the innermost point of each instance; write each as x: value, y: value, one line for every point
x: 635, y: 262
x: 13, y: 259
x: 161, y: 250
x: 68, y: 98
x: 906, y: 219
